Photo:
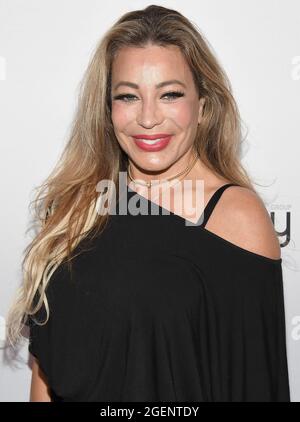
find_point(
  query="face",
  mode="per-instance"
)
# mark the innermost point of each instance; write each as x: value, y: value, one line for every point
x: 147, y: 107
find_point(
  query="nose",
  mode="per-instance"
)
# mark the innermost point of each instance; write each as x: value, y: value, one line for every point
x: 149, y: 114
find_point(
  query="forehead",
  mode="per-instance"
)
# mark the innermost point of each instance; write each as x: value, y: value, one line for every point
x: 151, y: 63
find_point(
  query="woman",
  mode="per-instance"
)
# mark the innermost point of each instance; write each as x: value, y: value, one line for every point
x: 138, y: 306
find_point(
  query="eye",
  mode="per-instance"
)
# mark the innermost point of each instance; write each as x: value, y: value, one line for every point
x: 122, y: 97
x: 174, y: 94
x: 125, y: 97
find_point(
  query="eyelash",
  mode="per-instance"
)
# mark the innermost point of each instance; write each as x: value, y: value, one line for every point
x: 174, y: 94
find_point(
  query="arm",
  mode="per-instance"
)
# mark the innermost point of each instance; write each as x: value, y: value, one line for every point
x: 259, y: 287
x: 39, y: 391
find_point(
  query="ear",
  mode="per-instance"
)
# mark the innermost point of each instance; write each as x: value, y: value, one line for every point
x: 201, y: 105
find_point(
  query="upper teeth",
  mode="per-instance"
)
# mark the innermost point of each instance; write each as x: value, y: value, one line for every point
x: 148, y: 141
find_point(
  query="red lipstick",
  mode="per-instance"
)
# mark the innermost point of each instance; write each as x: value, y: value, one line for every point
x: 152, y: 143
x: 152, y: 137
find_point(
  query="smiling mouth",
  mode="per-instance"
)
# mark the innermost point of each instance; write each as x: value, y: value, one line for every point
x: 149, y: 142
x: 152, y: 145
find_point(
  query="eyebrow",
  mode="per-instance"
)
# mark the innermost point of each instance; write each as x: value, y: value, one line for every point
x: 160, y: 85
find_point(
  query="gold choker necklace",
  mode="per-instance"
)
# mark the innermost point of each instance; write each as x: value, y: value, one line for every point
x: 150, y: 184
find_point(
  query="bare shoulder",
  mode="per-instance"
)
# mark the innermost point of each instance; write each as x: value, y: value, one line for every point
x: 241, y: 217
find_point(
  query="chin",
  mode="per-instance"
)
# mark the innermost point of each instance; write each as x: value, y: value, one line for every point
x: 152, y: 164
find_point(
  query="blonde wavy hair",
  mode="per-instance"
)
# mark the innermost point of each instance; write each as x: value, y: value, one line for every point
x: 65, y: 203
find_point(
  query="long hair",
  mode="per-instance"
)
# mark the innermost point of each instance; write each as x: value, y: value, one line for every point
x: 65, y: 203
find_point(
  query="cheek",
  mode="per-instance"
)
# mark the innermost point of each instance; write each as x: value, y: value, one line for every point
x: 182, y: 114
x: 121, y: 115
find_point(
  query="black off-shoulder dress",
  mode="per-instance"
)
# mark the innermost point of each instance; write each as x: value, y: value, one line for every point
x: 157, y: 310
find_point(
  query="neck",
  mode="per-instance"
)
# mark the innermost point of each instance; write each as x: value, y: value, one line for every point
x: 181, y: 169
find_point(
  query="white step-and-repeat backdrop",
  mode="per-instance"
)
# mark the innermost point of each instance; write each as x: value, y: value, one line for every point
x: 44, y: 49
